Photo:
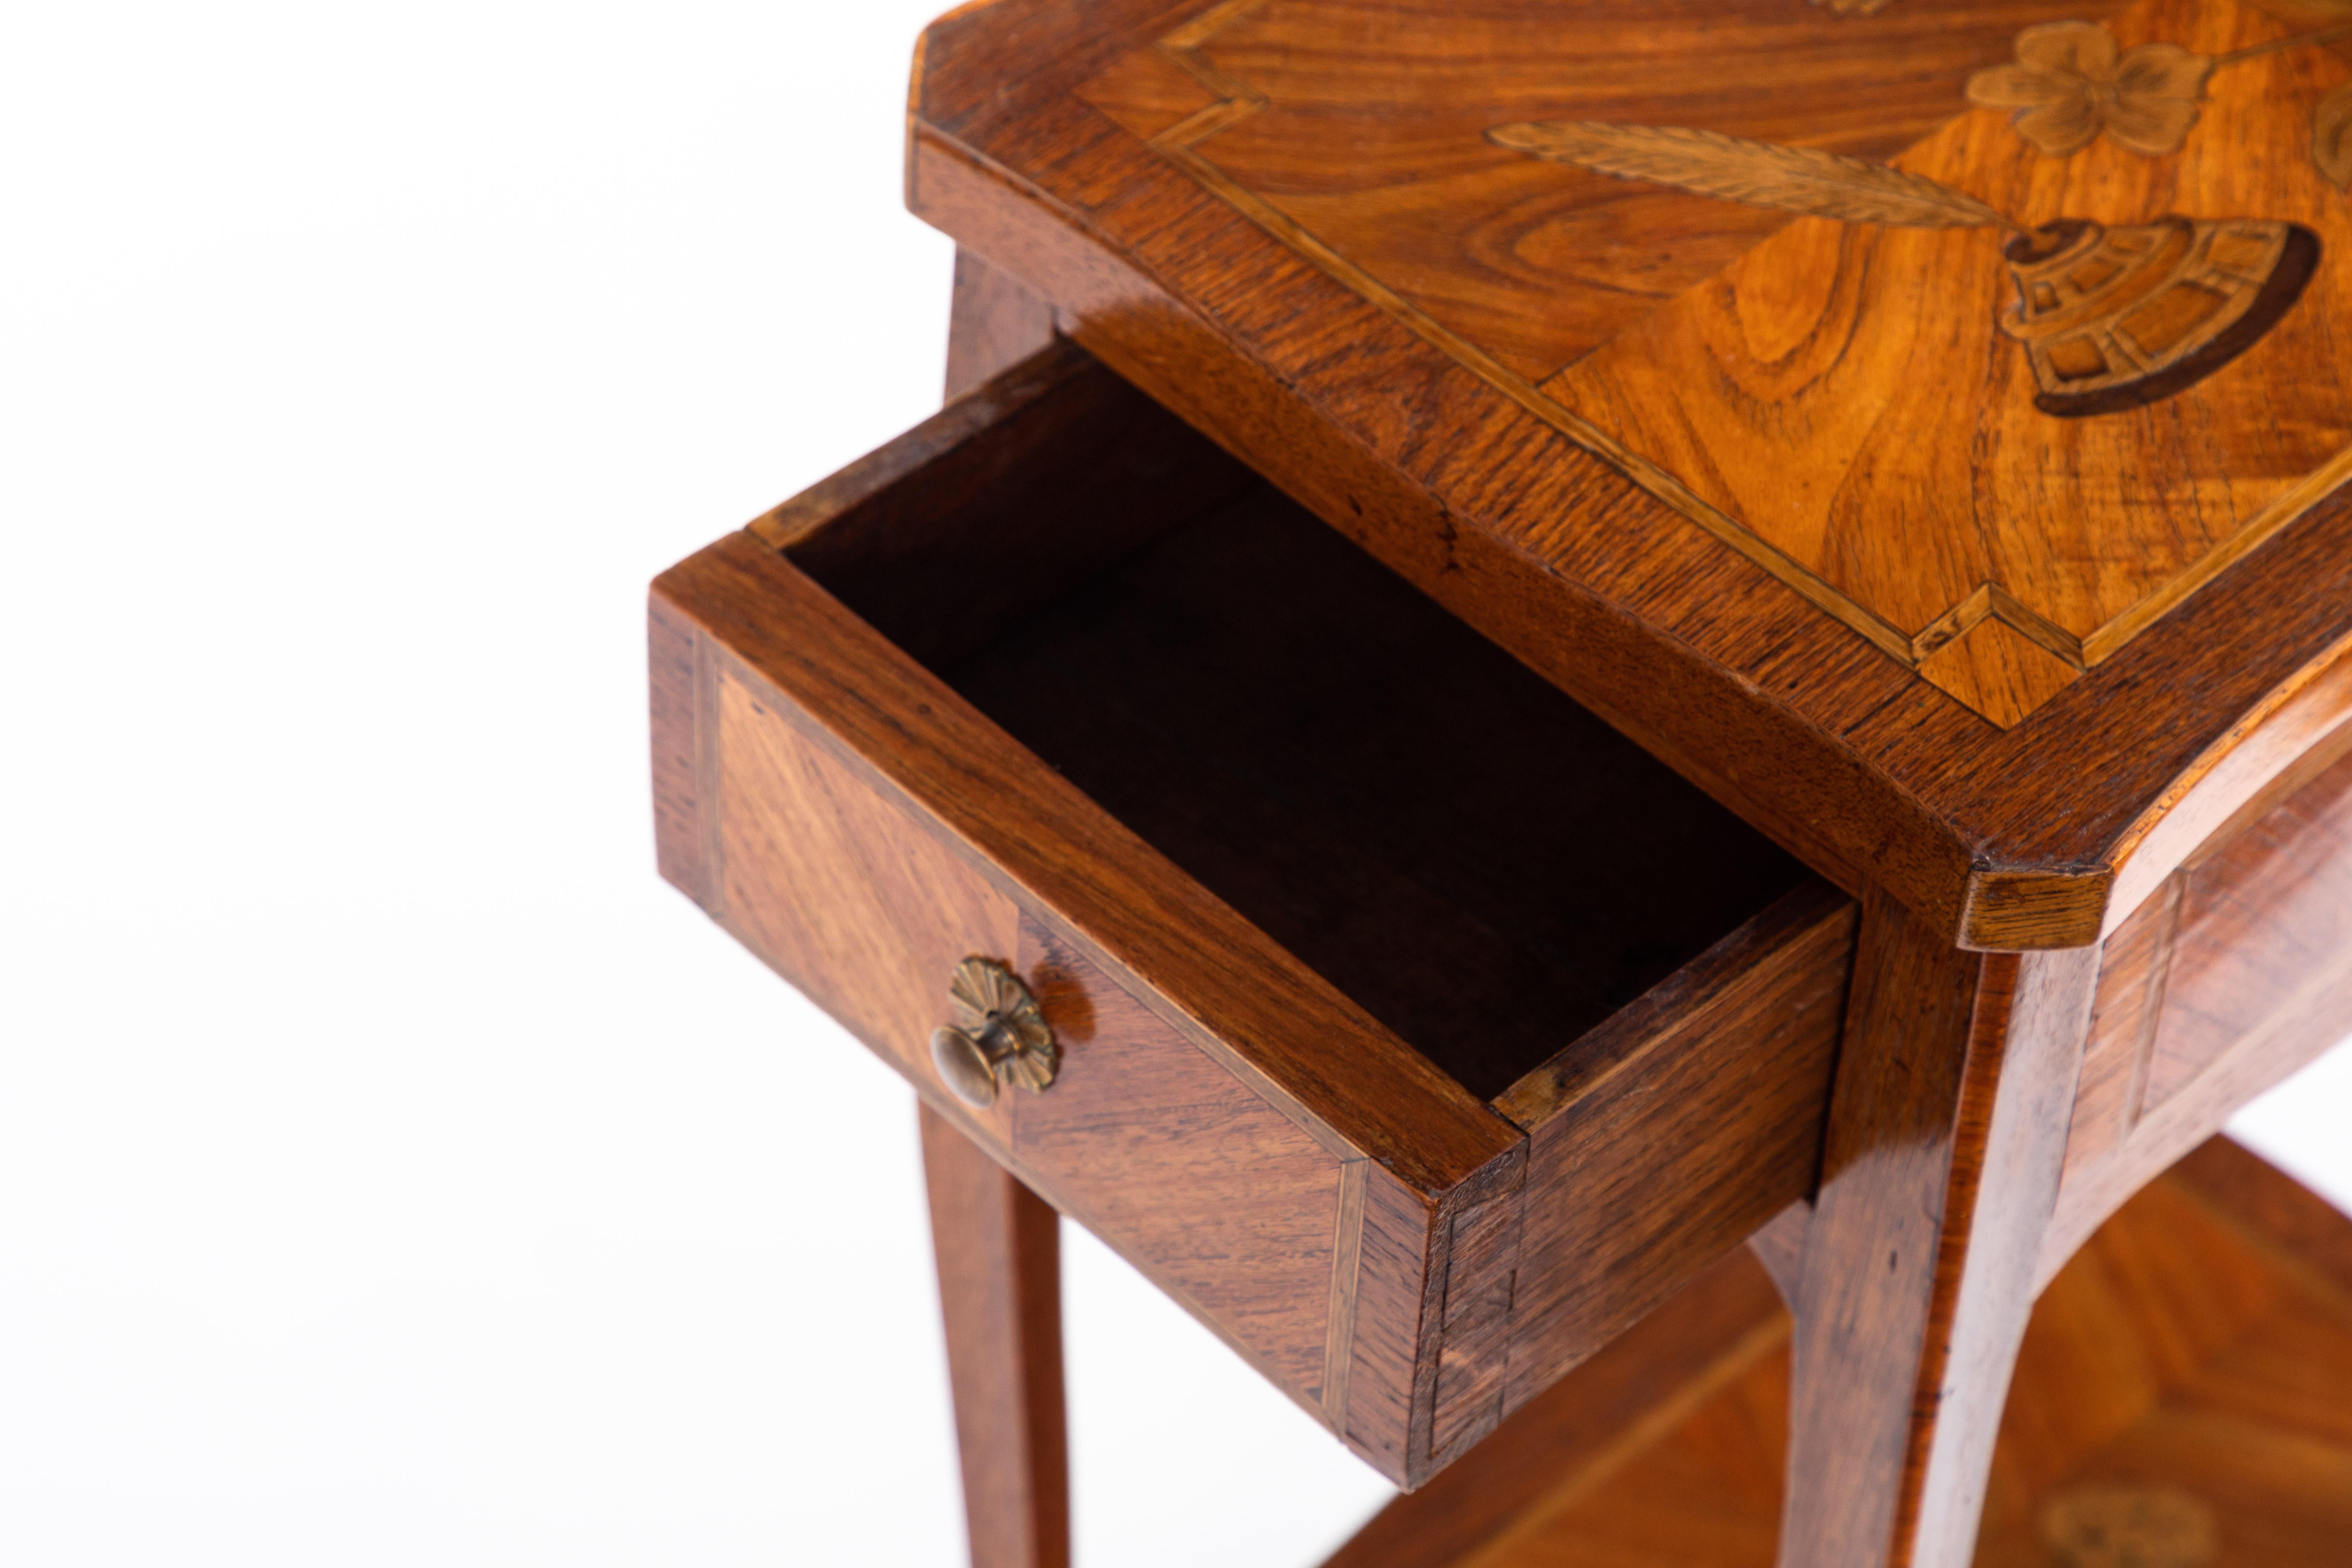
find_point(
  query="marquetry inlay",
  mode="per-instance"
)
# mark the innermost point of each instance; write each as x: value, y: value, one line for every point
x: 1993, y: 330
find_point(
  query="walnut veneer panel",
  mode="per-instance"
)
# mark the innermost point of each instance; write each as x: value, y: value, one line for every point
x: 1799, y: 392
x: 1533, y: 269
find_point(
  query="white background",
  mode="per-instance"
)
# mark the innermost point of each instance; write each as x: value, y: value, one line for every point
x: 392, y: 1169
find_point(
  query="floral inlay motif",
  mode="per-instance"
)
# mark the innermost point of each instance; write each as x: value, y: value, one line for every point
x: 2072, y: 82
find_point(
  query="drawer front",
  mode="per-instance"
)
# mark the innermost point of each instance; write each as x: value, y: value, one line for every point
x: 836, y: 888
x: 1228, y: 1204
x: 1236, y: 1202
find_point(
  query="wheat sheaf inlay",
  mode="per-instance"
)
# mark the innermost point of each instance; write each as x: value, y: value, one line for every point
x: 2117, y: 218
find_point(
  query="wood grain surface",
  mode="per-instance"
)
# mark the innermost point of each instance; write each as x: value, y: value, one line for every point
x: 2200, y: 1345
x: 2235, y: 975
x: 999, y: 1253
x: 672, y: 693
x: 1181, y: 1151
x: 1802, y: 392
x: 1741, y: 365
x: 995, y: 322
x: 1085, y: 180
x: 1369, y: 135
x: 1558, y: 1448
x: 2198, y: 1348
x: 882, y: 911
x: 1663, y: 1139
x: 1229, y: 1206
x: 1945, y: 1141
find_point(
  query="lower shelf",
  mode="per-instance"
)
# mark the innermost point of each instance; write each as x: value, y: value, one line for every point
x: 2184, y: 1399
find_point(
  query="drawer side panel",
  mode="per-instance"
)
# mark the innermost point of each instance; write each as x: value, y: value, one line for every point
x: 1392, y: 1372
x: 1024, y: 829
x: 1481, y: 1275
x: 864, y: 829
x: 1685, y: 1138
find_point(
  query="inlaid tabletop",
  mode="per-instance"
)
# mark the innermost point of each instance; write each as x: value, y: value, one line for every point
x: 1961, y: 388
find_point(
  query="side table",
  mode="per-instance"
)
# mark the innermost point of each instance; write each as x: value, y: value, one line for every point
x: 1540, y: 639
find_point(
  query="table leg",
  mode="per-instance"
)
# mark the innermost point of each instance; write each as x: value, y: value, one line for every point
x: 998, y: 1244
x: 1947, y: 1135
x: 999, y: 1251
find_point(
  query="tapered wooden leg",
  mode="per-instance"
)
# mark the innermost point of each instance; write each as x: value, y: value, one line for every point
x: 997, y: 323
x: 999, y: 1245
x: 999, y: 1251
x: 1947, y: 1133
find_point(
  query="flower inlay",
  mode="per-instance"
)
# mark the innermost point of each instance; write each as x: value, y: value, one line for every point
x: 2072, y: 82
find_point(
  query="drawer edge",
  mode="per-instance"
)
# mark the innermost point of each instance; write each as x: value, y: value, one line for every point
x: 1032, y: 835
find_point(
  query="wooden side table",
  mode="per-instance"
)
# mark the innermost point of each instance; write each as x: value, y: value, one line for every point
x: 1552, y: 636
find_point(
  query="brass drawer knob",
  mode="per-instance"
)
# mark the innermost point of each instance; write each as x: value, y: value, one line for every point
x: 998, y: 1033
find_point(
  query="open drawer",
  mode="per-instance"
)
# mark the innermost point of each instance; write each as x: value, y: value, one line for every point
x: 1414, y: 1028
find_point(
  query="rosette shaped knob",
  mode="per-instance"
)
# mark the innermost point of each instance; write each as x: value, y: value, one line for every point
x: 999, y: 1034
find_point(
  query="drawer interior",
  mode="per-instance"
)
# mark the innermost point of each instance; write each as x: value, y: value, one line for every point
x: 1483, y: 865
